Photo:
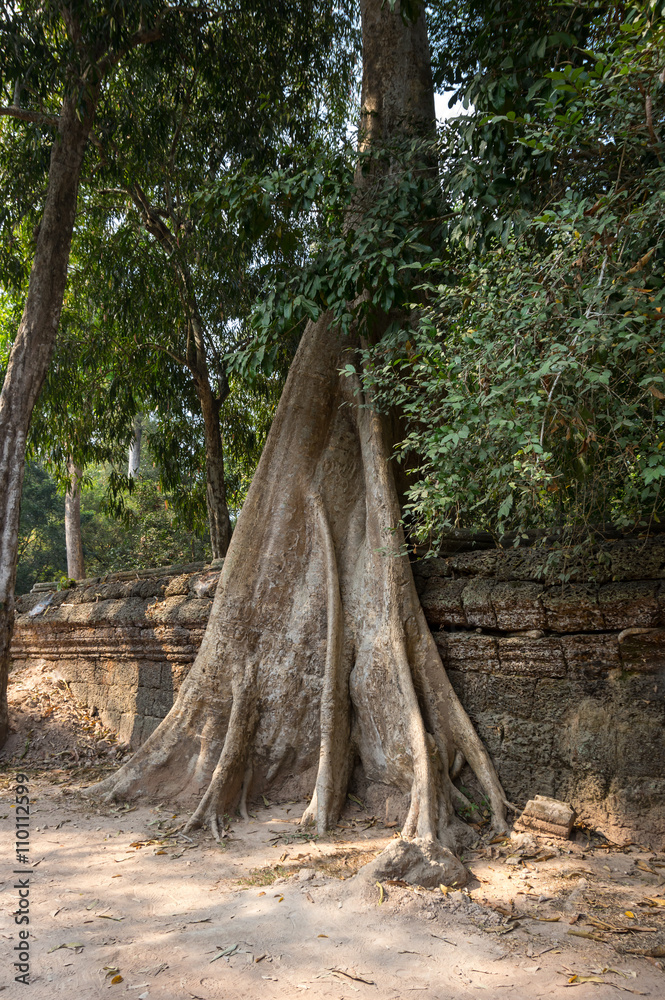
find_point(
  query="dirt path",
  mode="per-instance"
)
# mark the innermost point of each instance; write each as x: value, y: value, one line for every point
x: 274, y: 913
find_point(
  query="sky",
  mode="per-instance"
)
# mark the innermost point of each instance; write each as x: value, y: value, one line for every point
x: 441, y: 106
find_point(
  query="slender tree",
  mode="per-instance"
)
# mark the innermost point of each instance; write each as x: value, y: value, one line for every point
x: 62, y: 55
x: 73, y: 538
x: 317, y: 655
x: 134, y: 458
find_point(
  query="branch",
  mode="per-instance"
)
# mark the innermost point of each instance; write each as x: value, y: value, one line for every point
x: 29, y: 116
x: 158, y: 347
x: 648, y: 112
x: 144, y: 37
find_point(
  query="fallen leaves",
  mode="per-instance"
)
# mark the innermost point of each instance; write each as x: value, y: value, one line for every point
x: 606, y: 927
x: 655, y: 951
x: 644, y: 867
x: 588, y: 935
x: 579, y: 980
x: 75, y: 946
x: 597, y: 981
x: 595, y: 977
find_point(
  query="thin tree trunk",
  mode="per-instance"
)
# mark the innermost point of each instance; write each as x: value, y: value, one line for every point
x: 218, y: 511
x: 134, y: 459
x: 197, y: 362
x: 73, y: 539
x: 31, y: 353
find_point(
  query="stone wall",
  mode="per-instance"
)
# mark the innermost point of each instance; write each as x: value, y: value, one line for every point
x: 559, y: 659
x: 124, y: 646
x: 565, y: 682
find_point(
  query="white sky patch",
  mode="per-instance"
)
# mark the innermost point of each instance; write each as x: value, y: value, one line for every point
x: 441, y: 106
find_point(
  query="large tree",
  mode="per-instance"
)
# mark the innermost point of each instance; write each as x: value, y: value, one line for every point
x: 317, y: 655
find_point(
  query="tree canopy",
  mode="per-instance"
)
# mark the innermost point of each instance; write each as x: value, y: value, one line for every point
x: 530, y: 374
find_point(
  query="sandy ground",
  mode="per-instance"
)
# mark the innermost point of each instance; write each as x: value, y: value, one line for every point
x: 122, y: 904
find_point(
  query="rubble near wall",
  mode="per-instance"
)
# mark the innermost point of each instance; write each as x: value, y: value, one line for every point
x: 558, y: 657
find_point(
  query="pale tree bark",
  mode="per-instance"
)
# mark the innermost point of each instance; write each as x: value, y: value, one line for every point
x: 196, y: 360
x: 31, y: 352
x: 218, y: 511
x: 73, y: 539
x: 317, y: 656
x: 134, y: 458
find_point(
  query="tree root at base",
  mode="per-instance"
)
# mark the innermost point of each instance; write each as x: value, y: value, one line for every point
x: 317, y: 652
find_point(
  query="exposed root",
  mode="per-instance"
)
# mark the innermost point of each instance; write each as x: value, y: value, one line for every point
x: 242, y: 806
x: 326, y: 802
x: 226, y: 785
x: 383, y: 517
x: 457, y: 765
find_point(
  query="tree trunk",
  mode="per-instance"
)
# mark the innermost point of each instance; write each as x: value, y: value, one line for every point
x: 134, y: 459
x: 317, y: 655
x: 218, y: 511
x: 73, y: 540
x: 31, y: 353
x: 197, y: 362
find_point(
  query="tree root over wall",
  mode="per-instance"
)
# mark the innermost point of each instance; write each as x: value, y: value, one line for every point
x: 317, y: 653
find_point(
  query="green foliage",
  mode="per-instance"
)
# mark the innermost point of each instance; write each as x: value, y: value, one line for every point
x: 41, y: 549
x: 149, y: 532
x: 511, y: 304
x: 532, y: 384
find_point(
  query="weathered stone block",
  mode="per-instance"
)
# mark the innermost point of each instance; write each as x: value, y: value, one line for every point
x: 641, y: 559
x: 179, y: 585
x: 471, y: 651
x: 572, y: 608
x: 629, y: 605
x: 518, y: 606
x: 146, y: 589
x: 531, y: 657
x: 474, y: 563
x: 643, y: 652
x: 442, y: 602
x: 595, y: 654
x: 477, y: 603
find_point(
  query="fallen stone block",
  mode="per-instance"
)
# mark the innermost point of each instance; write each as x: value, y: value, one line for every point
x: 546, y: 816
